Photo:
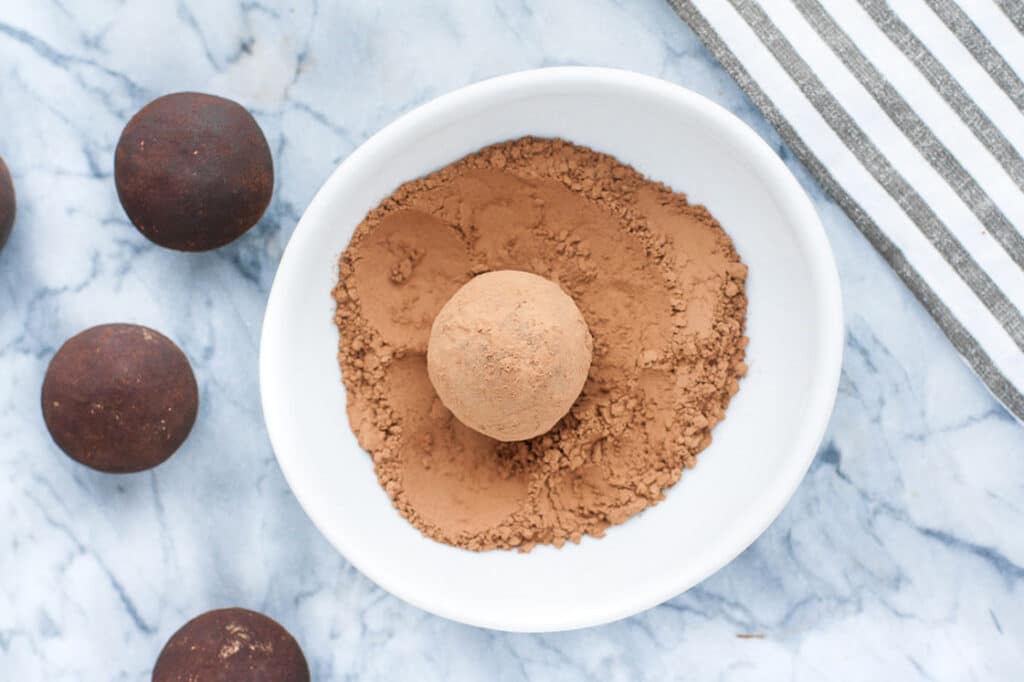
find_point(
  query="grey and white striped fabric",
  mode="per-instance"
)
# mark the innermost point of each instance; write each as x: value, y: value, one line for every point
x: 910, y: 113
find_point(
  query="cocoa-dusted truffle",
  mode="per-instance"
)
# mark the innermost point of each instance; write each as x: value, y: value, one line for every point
x: 7, y: 204
x: 193, y: 171
x: 119, y: 398
x: 231, y: 645
x: 509, y: 354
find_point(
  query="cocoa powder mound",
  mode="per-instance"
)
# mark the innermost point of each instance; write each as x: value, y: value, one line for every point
x: 658, y: 282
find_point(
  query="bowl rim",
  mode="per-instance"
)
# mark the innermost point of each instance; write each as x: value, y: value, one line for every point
x: 822, y: 268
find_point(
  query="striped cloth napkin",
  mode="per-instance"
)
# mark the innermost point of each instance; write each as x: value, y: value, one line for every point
x: 910, y: 113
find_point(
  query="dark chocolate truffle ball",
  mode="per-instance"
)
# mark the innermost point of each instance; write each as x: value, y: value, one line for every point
x: 7, y: 204
x: 193, y: 171
x: 231, y: 645
x: 119, y: 398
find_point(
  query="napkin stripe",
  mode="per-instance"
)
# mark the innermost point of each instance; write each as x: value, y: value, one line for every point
x: 948, y: 87
x: 897, y: 109
x: 974, y: 352
x: 883, y: 171
x: 978, y: 45
x: 1014, y: 11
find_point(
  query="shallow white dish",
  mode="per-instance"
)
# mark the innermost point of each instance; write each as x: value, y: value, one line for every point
x: 760, y: 452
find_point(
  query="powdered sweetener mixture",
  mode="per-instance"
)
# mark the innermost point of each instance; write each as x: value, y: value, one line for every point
x: 657, y: 280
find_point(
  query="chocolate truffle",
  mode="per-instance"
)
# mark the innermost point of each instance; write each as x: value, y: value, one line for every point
x: 231, y: 645
x: 7, y: 204
x: 119, y: 398
x: 509, y: 354
x: 193, y: 171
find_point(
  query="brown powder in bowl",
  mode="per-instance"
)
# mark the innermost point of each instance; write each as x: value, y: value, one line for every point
x: 658, y: 282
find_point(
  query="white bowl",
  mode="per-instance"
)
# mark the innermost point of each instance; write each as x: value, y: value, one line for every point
x: 760, y: 452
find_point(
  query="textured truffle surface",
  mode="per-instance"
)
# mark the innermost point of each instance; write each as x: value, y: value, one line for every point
x: 119, y: 398
x: 231, y: 645
x: 7, y: 204
x: 193, y: 171
x: 509, y: 354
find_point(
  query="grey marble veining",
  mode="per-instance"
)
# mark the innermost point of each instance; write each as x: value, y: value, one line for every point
x: 900, y: 556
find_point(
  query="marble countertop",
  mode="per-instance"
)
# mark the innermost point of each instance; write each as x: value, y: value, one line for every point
x: 901, y: 555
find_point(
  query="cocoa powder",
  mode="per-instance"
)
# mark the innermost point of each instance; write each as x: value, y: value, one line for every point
x: 657, y: 280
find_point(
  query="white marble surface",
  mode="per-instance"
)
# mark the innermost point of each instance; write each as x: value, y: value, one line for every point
x: 900, y: 557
